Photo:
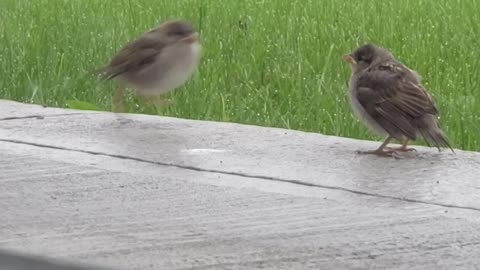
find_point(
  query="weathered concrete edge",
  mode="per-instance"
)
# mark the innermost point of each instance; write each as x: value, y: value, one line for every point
x: 55, y: 112
x: 134, y: 115
x: 17, y: 261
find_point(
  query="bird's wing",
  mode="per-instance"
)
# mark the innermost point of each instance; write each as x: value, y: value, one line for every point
x: 136, y: 55
x: 391, y: 94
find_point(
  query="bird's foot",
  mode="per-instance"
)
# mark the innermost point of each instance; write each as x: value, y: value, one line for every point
x: 383, y: 152
x: 403, y: 149
x: 388, y: 151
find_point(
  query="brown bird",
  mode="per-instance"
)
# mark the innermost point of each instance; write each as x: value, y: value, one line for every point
x: 155, y: 63
x: 388, y: 98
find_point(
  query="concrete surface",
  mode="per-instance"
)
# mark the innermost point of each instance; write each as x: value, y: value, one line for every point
x: 15, y: 261
x: 146, y: 192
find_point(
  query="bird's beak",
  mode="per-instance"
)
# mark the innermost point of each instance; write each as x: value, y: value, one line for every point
x: 190, y: 39
x: 349, y: 59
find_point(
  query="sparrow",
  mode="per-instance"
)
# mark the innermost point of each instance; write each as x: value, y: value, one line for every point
x: 389, y: 99
x: 159, y: 61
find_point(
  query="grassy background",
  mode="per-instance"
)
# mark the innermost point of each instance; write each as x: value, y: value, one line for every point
x: 271, y: 62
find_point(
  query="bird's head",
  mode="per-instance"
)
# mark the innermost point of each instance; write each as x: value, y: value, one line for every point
x: 365, y: 56
x: 178, y: 31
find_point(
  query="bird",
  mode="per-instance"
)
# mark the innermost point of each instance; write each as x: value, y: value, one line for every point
x: 389, y: 99
x: 157, y: 62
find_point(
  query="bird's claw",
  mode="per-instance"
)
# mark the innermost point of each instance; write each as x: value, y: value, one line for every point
x: 401, y: 149
x: 387, y: 151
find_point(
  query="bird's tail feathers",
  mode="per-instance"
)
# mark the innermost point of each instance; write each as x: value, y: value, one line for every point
x: 430, y: 130
x: 104, y: 73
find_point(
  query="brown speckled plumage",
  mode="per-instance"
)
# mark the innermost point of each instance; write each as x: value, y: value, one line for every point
x: 389, y: 99
x: 157, y: 62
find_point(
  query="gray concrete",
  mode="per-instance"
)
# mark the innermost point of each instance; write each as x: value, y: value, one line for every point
x: 16, y: 261
x: 146, y: 192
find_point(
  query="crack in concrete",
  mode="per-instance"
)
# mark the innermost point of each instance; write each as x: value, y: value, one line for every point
x: 37, y: 116
x: 269, y: 178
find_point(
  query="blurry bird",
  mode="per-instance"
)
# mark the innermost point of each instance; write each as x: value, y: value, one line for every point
x: 155, y: 63
x: 388, y: 98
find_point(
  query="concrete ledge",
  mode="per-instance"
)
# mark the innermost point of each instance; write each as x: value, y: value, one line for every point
x: 147, y: 192
x: 16, y: 261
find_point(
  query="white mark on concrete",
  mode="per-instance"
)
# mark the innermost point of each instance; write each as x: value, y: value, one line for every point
x: 203, y: 151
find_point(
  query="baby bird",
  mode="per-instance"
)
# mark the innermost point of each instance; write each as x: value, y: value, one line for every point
x: 388, y: 98
x: 155, y: 63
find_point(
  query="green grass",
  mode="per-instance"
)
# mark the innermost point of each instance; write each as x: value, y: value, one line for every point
x: 283, y: 69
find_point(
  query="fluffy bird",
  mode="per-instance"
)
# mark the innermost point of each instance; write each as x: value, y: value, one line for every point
x: 157, y: 62
x: 388, y: 98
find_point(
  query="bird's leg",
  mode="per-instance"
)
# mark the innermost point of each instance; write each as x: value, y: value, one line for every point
x: 162, y: 101
x: 383, y: 150
x: 403, y: 148
x: 118, y: 100
x: 159, y: 100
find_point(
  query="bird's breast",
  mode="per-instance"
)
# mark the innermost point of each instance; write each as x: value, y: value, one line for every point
x: 182, y: 65
x: 360, y: 112
x: 171, y: 69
